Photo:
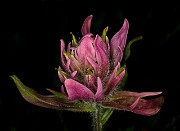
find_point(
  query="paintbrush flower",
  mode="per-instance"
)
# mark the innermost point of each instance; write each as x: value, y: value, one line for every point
x: 93, y: 71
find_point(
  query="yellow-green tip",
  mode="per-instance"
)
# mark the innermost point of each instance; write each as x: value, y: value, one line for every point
x: 74, y: 40
x: 62, y: 73
x: 120, y: 70
x: 103, y: 36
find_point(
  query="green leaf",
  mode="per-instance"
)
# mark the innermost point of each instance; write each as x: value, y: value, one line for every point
x: 123, y: 81
x: 49, y: 101
x: 127, y: 49
x: 107, y: 112
x: 58, y: 94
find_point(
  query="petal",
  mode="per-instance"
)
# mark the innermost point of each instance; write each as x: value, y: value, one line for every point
x: 119, y: 41
x: 63, y: 90
x: 101, y: 53
x: 62, y: 50
x: 74, y: 64
x: 108, y: 46
x: 61, y: 77
x: 132, y: 101
x: 93, y: 63
x: 99, y: 93
x: 114, y: 80
x: 86, y: 25
x: 144, y: 107
x: 73, y: 74
x: 101, y: 65
x: 119, y: 56
x: 69, y: 47
x: 134, y: 94
x: 90, y: 82
x: 65, y: 64
x: 103, y: 45
x: 77, y: 91
x: 85, y: 49
x: 149, y: 107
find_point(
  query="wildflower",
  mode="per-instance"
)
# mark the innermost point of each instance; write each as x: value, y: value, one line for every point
x: 93, y: 69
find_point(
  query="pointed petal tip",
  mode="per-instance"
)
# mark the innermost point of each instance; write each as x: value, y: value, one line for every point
x: 153, y: 93
x: 61, y: 40
x: 160, y: 92
x: 126, y: 23
x: 62, y: 43
x: 126, y: 20
x: 90, y: 16
x: 85, y: 29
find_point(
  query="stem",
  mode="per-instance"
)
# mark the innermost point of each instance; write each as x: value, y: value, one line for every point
x: 97, y: 118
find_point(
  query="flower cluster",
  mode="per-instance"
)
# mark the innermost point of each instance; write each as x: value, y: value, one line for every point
x: 92, y: 72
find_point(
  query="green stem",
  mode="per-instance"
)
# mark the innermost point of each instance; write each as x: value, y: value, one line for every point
x: 97, y: 118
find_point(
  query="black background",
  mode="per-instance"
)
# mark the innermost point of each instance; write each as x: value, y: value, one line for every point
x: 30, y: 34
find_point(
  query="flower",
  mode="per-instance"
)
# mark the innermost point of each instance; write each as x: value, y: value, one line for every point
x: 93, y: 70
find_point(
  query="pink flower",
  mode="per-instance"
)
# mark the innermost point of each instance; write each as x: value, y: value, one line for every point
x: 92, y: 72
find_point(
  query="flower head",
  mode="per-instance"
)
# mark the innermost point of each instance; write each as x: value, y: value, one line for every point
x: 93, y: 70
x: 92, y: 64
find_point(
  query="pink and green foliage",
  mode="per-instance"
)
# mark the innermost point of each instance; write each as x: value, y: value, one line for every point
x: 92, y: 72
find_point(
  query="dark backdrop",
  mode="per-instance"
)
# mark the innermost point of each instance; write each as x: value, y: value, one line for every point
x: 30, y: 34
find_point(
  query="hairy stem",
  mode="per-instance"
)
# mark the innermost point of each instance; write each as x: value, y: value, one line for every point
x: 97, y: 125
